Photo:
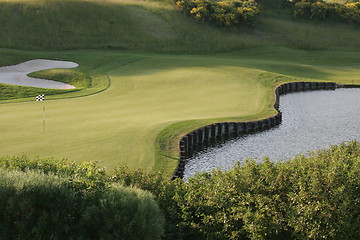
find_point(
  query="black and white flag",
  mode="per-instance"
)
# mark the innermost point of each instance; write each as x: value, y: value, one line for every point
x: 40, y: 97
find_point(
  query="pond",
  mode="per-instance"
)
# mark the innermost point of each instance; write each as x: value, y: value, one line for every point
x: 310, y: 121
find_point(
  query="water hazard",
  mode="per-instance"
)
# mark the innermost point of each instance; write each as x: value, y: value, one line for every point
x: 311, y: 121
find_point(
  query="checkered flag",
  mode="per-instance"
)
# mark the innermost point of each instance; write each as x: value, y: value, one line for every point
x: 40, y: 97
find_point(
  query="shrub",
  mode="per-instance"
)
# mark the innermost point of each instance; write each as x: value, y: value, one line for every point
x: 223, y: 13
x: 36, y: 206
x: 87, y: 174
x: 315, y: 197
x: 248, y: 202
x: 43, y: 206
x: 310, y: 197
x: 165, y: 192
x: 123, y: 213
x: 325, y: 194
x: 321, y: 10
x: 274, y: 4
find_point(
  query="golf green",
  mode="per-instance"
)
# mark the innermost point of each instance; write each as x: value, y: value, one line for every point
x: 149, y: 95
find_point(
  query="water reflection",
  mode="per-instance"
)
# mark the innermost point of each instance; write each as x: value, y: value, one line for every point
x: 311, y: 121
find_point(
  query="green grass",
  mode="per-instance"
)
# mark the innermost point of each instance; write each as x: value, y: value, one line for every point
x: 86, y: 82
x: 155, y: 98
x: 153, y: 75
x: 77, y: 79
x: 85, y: 85
x: 154, y: 26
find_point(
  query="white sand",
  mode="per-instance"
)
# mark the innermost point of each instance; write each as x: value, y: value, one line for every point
x: 17, y: 74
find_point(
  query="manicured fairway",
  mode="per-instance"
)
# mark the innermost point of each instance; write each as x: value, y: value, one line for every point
x: 155, y: 94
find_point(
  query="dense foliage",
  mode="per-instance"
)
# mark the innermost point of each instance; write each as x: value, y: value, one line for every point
x: 237, y: 13
x: 314, y: 197
x: 321, y: 10
x: 310, y: 197
x: 224, y: 13
x: 274, y: 4
x: 76, y: 203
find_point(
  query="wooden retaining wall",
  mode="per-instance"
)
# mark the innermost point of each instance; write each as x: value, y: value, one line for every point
x: 215, y: 133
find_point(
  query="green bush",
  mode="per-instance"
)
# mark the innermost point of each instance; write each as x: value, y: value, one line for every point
x: 274, y: 4
x: 43, y: 206
x: 36, y: 206
x: 248, y: 202
x: 165, y: 193
x: 224, y: 13
x: 325, y: 193
x: 123, y: 213
x: 87, y: 175
x: 314, y: 197
x: 321, y: 10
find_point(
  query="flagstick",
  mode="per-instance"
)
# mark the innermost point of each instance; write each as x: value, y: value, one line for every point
x: 42, y: 98
x: 44, y: 117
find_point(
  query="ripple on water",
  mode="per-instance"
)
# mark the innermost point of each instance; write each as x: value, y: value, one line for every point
x: 311, y: 121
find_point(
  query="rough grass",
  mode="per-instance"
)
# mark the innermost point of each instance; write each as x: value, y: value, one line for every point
x: 84, y: 83
x: 75, y: 78
x: 87, y: 82
x: 10, y: 92
x: 154, y: 26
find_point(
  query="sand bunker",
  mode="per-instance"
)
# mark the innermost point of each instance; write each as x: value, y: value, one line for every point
x: 17, y: 74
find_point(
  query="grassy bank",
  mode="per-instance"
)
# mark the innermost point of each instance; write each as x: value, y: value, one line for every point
x: 155, y: 26
x: 154, y: 98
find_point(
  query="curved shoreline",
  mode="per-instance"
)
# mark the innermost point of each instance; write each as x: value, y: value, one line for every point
x: 18, y: 74
x: 212, y: 134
